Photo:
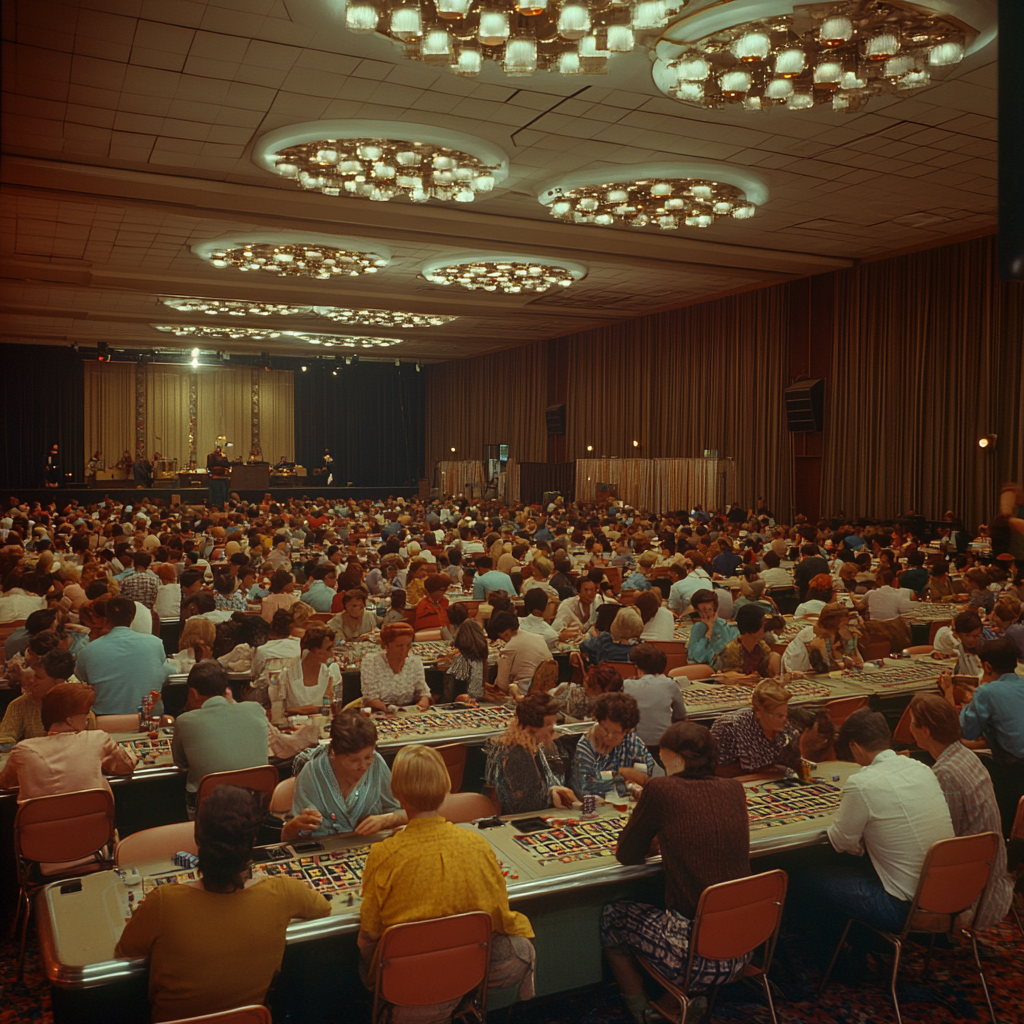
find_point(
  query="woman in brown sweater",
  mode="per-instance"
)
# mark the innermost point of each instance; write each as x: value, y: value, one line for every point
x: 699, y: 822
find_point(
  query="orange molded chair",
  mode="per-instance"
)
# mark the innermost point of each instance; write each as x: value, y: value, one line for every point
x: 918, y: 649
x: 874, y: 651
x: 613, y: 574
x: 118, y: 723
x: 281, y: 801
x: 454, y: 755
x: 160, y: 843
x: 692, y: 672
x: 954, y: 875
x: 423, y: 963
x: 261, y: 779
x: 935, y: 627
x: 322, y: 616
x: 56, y: 837
x: 243, y: 1015
x: 626, y: 669
x: 460, y: 807
x: 428, y: 634
x: 675, y: 652
x: 1017, y: 832
x: 840, y: 710
x: 733, y: 919
x: 901, y: 735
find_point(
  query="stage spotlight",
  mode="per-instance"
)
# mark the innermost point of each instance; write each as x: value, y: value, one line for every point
x: 195, y: 361
x: 590, y: 447
x: 453, y: 451
x: 348, y: 360
x: 636, y: 444
x: 398, y: 362
x: 265, y: 356
x: 417, y: 367
x: 103, y: 352
x: 987, y: 441
x: 74, y: 346
x: 303, y: 369
x: 334, y: 373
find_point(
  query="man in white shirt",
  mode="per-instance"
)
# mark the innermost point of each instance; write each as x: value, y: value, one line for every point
x: 886, y: 603
x: 894, y: 810
x: 774, y: 575
x: 684, y: 586
x: 522, y: 653
x: 581, y: 610
x: 20, y: 598
x: 962, y: 640
x: 536, y: 603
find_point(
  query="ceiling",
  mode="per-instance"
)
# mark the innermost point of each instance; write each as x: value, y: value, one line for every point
x: 129, y: 126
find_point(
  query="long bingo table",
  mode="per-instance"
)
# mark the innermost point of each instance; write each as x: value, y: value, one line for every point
x: 560, y: 878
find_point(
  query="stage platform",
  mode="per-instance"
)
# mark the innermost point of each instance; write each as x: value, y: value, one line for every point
x: 60, y: 496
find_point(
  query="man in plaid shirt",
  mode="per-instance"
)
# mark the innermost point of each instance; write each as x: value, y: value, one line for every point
x: 142, y: 584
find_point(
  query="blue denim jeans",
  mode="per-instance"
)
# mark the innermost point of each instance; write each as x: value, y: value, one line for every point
x: 848, y: 887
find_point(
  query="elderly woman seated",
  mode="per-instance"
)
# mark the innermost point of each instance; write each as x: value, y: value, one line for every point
x: 432, y: 869
x: 617, y: 643
x: 393, y: 677
x: 758, y: 738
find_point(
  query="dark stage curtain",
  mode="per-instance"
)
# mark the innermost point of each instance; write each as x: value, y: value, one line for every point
x: 41, y: 403
x: 371, y: 418
x: 537, y: 477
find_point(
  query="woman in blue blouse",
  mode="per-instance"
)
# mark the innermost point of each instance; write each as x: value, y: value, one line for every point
x: 709, y: 634
x: 606, y: 756
x: 618, y: 642
x: 346, y: 786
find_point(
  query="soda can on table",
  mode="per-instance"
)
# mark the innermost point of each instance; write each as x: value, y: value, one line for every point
x: 589, y: 806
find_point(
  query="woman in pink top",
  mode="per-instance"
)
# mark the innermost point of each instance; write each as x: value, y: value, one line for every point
x: 68, y: 758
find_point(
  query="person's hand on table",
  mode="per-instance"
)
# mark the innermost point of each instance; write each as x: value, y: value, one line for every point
x: 464, y: 698
x: 562, y: 797
x: 423, y: 704
x: 372, y: 824
x: 307, y: 821
x: 495, y: 694
x: 636, y: 777
x: 375, y: 705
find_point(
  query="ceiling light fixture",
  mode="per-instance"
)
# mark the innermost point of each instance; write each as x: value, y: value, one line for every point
x: 801, y: 55
x: 265, y: 334
x: 666, y: 203
x: 572, y: 37
x: 513, y: 275
x: 382, y: 317
x: 233, y: 307
x: 320, y: 262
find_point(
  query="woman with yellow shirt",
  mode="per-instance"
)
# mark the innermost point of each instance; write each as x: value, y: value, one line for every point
x: 238, y: 923
x: 433, y: 868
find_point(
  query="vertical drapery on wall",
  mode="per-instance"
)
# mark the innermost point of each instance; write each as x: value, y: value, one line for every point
x: 631, y: 478
x: 40, y: 405
x: 928, y: 357
x: 109, y: 410
x: 225, y: 409
x: 461, y: 476
x: 371, y: 418
x: 657, y: 484
x: 494, y: 399
x: 276, y: 390
x: 167, y: 412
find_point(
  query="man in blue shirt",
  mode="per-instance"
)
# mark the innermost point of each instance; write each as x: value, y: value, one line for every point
x: 488, y: 578
x: 323, y: 589
x: 728, y: 561
x: 123, y: 665
x: 996, y: 711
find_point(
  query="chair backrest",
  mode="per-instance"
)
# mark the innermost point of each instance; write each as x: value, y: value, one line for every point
x: 871, y: 651
x: 902, y: 734
x: 1017, y: 831
x: 321, y: 616
x: 613, y: 574
x: 454, y: 755
x: 626, y: 669
x: 675, y: 652
x: 691, y: 672
x: 281, y: 801
x: 243, y: 1015
x: 918, y: 649
x: 160, y: 843
x: 545, y: 676
x: 955, y: 873
x: 64, y: 827
x: 118, y: 723
x: 935, y: 627
x: 840, y: 710
x: 428, y: 634
x: 460, y: 807
x: 734, y: 918
x: 427, y: 962
x: 262, y: 779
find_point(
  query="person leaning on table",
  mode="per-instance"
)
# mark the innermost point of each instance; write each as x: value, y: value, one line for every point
x: 433, y: 868
x: 217, y: 943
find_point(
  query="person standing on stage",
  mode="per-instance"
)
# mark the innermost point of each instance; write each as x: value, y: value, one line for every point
x: 95, y: 464
x: 142, y: 471
x: 53, y: 467
x: 218, y: 466
x: 328, y: 463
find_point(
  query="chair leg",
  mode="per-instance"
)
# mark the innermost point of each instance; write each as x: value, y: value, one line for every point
x: 1016, y: 914
x: 24, y: 939
x: 928, y: 956
x: 981, y: 975
x: 897, y: 950
x: 768, y: 996
x: 832, y: 962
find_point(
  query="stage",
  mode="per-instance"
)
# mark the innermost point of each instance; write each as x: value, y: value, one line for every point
x: 310, y: 490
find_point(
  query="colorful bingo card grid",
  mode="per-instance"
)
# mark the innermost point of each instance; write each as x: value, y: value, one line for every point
x: 470, y: 719
x: 710, y: 698
x: 928, y: 611
x: 428, y: 650
x: 150, y: 751
x: 896, y: 675
x: 771, y: 806
x: 151, y: 882
x: 573, y: 841
x: 337, y: 871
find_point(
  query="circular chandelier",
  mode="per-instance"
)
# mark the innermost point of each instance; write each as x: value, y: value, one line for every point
x: 572, y: 37
x: 264, y: 334
x: 513, y: 276
x: 234, y: 307
x: 382, y: 317
x: 320, y: 262
x: 382, y: 169
x: 667, y: 203
x: 773, y: 53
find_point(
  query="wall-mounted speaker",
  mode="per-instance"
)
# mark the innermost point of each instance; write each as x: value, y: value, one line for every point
x: 805, y: 403
x: 555, y: 415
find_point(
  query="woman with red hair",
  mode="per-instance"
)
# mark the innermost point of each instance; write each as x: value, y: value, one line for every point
x: 393, y: 677
x: 819, y: 594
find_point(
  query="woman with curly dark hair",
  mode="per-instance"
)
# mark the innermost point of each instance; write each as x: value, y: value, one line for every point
x: 239, y: 922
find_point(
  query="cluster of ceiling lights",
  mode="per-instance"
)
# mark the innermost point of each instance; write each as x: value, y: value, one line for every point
x: 510, y: 277
x: 667, y: 203
x: 320, y: 262
x: 234, y: 307
x: 381, y: 169
x: 263, y: 334
x: 572, y: 37
x: 338, y: 314
x: 840, y: 53
x: 382, y: 317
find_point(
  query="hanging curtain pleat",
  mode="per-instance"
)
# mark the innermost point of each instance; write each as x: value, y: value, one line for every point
x: 109, y: 402
x: 167, y: 413
x: 224, y: 410
x: 277, y: 414
x: 465, y: 476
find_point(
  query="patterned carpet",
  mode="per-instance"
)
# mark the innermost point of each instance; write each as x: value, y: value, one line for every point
x: 951, y: 993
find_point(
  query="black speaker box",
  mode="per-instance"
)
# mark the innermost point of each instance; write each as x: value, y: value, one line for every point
x: 555, y: 415
x: 805, y: 401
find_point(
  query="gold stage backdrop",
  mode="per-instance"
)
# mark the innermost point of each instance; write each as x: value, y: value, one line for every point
x: 657, y: 484
x: 180, y: 412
